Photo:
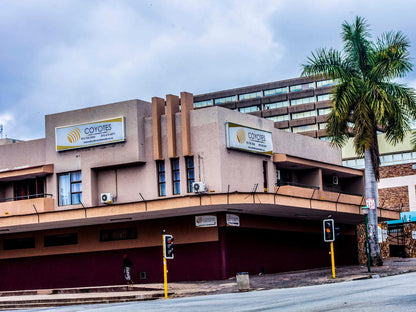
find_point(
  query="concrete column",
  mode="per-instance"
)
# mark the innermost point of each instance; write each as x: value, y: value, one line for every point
x: 172, y: 107
x: 158, y: 109
x: 187, y: 104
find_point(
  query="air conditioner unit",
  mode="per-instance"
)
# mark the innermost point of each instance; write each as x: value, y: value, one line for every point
x: 335, y: 180
x: 199, y: 187
x: 106, y: 198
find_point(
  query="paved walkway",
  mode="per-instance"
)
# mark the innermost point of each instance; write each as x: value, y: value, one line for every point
x: 120, y: 293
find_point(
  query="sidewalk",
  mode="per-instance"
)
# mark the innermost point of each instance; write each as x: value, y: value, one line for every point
x: 123, y: 293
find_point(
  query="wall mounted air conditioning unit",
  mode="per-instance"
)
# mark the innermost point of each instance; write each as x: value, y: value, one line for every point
x: 106, y: 198
x: 199, y: 187
x: 335, y: 180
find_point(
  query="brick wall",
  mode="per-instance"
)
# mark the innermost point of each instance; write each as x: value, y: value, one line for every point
x: 396, y: 198
x: 397, y: 171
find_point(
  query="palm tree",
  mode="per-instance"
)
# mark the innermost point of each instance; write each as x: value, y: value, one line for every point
x: 367, y: 99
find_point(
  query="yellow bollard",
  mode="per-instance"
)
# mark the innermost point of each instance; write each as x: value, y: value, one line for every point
x: 332, y: 259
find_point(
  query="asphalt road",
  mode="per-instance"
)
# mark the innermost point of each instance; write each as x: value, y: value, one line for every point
x: 397, y: 293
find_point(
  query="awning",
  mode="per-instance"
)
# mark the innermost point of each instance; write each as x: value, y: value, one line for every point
x: 20, y: 173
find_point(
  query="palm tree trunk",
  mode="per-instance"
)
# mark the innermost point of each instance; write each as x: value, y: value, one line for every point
x: 371, y: 192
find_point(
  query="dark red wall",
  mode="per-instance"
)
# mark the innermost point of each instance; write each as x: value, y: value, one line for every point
x: 192, y: 262
x: 244, y: 250
x: 255, y: 251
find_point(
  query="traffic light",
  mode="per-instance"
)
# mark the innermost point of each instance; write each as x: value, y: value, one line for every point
x: 168, y: 246
x: 329, y: 233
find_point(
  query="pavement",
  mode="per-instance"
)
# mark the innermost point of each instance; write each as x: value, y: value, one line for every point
x: 121, y: 293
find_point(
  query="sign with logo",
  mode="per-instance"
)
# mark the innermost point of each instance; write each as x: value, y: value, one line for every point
x: 249, y: 139
x: 232, y: 219
x: 206, y: 221
x: 371, y: 203
x: 90, y: 134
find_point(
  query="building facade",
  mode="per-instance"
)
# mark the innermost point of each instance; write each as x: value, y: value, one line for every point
x: 236, y: 193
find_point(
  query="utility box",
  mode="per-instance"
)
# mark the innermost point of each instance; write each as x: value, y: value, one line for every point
x: 243, y: 282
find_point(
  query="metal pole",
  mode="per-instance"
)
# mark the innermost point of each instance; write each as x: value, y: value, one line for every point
x: 165, y: 269
x: 367, y: 245
x: 332, y: 259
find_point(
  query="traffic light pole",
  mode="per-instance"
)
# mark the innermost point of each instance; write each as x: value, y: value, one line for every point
x: 332, y: 259
x: 165, y: 277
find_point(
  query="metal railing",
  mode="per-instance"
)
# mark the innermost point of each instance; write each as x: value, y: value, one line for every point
x: 30, y: 196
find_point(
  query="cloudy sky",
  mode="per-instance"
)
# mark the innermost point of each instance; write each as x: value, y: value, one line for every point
x: 59, y: 55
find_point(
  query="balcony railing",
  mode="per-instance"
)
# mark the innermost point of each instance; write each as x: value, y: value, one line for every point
x: 25, y: 205
x: 30, y: 196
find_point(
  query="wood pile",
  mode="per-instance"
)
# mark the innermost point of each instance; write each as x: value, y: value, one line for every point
x: 384, y: 246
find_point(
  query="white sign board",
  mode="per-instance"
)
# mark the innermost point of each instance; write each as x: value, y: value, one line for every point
x: 249, y: 139
x: 206, y: 221
x: 371, y: 203
x: 385, y: 235
x: 380, y: 234
x: 232, y: 220
x: 90, y: 134
x: 414, y: 234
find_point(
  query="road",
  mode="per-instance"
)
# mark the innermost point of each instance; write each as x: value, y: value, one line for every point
x: 397, y: 293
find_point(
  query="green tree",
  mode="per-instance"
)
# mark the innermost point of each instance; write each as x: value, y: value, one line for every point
x: 367, y: 99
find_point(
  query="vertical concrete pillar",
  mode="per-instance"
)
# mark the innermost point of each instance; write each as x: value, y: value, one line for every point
x: 187, y: 104
x: 158, y: 109
x: 172, y: 107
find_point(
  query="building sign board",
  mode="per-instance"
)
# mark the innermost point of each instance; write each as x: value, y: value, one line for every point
x: 90, y: 134
x: 206, y: 221
x: 249, y: 139
x: 232, y: 220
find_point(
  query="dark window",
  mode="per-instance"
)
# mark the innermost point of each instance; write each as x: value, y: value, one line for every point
x: 118, y: 234
x: 190, y: 173
x: 176, y: 177
x: 61, y: 239
x: 31, y: 188
x: 19, y: 243
x: 265, y: 189
x: 70, y: 188
x: 161, y: 177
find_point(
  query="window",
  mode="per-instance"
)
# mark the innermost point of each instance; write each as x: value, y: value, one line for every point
x: 278, y: 118
x: 304, y: 114
x: 190, y: 173
x: 324, y: 97
x: 61, y: 239
x: 305, y: 128
x: 302, y: 101
x: 19, y: 243
x: 275, y: 91
x: 70, y: 188
x: 224, y: 100
x: 323, y: 125
x: 161, y: 177
x: 326, y: 83
x: 203, y: 103
x: 301, y: 87
x: 176, y: 177
x: 324, y: 111
x: 251, y: 95
x: 118, y: 234
x: 249, y: 109
x: 276, y: 105
x: 31, y: 188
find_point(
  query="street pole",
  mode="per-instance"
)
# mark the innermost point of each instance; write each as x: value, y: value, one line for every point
x: 367, y: 244
x: 165, y: 277
x: 332, y: 259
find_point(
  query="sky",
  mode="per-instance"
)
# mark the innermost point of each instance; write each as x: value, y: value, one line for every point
x: 60, y: 55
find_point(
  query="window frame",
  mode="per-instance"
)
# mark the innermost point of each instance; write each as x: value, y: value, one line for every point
x: 176, y: 183
x: 161, y: 171
x: 71, y: 192
x: 190, y: 173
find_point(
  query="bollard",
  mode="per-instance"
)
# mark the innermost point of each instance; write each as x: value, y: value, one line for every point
x: 243, y: 283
